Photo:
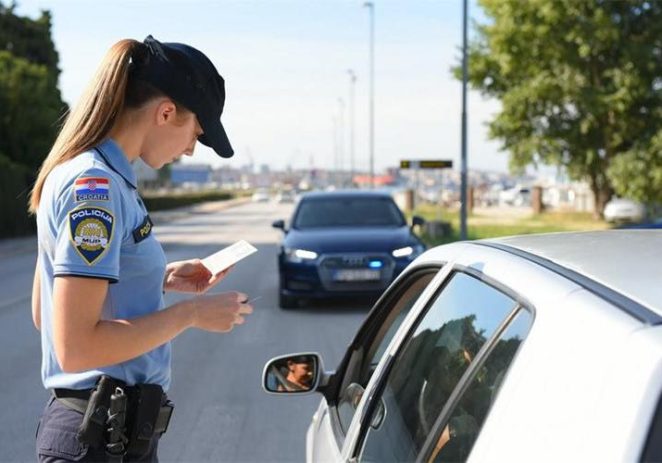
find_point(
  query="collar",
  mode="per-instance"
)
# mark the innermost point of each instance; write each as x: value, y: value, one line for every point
x: 115, y: 158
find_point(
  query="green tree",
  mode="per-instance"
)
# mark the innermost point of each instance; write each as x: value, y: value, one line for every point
x: 30, y: 106
x: 30, y: 101
x: 28, y: 38
x: 580, y: 86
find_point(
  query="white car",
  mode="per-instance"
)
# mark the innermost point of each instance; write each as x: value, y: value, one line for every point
x: 624, y: 210
x: 285, y: 196
x: 261, y: 195
x: 531, y: 348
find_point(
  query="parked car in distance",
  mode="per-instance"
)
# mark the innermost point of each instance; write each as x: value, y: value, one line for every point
x: 261, y: 195
x: 285, y: 196
x: 344, y: 244
x: 531, y: 348
x: 624, y: 210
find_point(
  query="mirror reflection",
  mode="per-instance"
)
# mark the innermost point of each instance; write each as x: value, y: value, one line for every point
x: 297, y: 373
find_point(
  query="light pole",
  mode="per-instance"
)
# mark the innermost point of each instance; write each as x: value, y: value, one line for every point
x: 371, y: 8
x: 335, y: 151
x: 352, y: 81
x: 463, y: 171
x: 341, y: 137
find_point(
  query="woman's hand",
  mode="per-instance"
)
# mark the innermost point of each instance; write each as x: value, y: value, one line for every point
x: 190, y: 276
x: 220, y: 312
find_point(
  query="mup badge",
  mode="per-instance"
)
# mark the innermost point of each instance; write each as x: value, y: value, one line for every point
x: 91, y: 231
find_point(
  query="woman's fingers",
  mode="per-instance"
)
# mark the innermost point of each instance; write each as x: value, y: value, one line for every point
x: 214, y: 279
x: 221, y: 312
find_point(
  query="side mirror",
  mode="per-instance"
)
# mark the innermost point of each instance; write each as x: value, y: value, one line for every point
x: 417, y: 220
x: 279, y: 224
x: 294, y: 374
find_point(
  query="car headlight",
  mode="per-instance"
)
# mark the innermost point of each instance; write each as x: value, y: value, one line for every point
x: 409, y: 252
x: 297, y: 256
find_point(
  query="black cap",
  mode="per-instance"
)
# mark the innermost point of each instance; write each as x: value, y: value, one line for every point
x: 187, y: 76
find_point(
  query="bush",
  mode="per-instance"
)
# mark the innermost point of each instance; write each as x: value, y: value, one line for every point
x: 15, y: 184
x: 164, y: 202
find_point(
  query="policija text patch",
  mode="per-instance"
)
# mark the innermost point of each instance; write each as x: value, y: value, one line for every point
x: 143, y: 230
x: 91, y: 231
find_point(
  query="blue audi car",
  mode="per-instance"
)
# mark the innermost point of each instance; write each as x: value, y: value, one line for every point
x: 344, y: 243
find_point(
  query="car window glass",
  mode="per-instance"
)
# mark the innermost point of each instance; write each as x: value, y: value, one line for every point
x: 427, y: 369
x: 653, y: 449
x: 361, y: 370
x: 454, y: 439
x: 342, y: 212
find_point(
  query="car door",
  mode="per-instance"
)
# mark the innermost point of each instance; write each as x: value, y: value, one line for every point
x: 336, y: 413
x: 436, y: 387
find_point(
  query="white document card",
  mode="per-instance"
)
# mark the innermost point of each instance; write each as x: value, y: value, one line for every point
x: 229, y: 256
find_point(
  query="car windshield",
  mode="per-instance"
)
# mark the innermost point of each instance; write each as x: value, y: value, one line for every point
x: 348, y: 212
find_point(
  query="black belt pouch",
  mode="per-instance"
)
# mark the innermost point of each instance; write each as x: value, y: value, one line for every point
x: 148, y: 398
x: 93, y: 427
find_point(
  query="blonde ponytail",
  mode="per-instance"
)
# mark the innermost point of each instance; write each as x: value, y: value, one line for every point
x: 93, y: 117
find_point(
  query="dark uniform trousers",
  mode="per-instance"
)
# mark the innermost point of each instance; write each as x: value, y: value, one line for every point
x: 57, y: 441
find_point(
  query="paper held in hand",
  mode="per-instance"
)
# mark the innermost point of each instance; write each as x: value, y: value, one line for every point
x: 227, y: 257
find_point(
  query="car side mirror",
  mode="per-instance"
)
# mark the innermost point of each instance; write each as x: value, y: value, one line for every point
x: 294, y: 374
x: 417, y: 220
x: 279, y: 224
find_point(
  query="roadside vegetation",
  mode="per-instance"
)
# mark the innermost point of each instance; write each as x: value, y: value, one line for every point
x: 161, y: 202
x: 486, y: 224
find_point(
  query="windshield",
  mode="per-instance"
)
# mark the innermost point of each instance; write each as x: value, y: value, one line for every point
x: 348, y: 212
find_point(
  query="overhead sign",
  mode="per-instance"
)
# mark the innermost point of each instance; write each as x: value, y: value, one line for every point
x: 426, y: 164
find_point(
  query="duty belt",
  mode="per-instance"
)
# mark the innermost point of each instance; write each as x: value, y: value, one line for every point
x: 77, y: 399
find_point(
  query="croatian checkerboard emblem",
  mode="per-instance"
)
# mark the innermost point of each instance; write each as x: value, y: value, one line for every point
x: 91, y: 231
x: 91, y: 189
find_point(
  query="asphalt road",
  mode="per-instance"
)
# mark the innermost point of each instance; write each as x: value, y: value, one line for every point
x: 221, y: 412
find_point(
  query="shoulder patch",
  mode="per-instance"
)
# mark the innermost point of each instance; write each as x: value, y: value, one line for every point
x: 143, y: 230
x: 91, y: 230
x: 92, y: 189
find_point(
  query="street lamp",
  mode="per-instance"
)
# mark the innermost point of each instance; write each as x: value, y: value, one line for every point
x: 463, y: 171
x: 334, y: 177
x: 371, y: 8
x: 341, y: 137
x: 352, y: 82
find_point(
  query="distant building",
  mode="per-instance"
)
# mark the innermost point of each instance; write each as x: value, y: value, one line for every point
x: 379, y: 180
x: 189, y: 173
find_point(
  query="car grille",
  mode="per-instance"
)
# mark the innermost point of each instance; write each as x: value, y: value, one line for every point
x: 352, y: 272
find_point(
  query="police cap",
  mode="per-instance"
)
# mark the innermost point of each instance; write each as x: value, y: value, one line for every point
x: 187, y: 76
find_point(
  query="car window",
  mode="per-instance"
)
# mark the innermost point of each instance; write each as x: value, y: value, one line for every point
x: 364, y: 360
x: 348, y: 211
x: 653, y: 449
x: 454, y: 438
x: 429, y: 366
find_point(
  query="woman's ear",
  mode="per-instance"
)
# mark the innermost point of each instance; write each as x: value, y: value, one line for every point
x: 166, y: 111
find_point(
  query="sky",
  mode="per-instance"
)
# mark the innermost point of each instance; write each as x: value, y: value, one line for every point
x: 285, y: 64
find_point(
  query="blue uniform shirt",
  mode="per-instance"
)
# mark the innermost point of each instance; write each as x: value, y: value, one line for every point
x: 92, y: 223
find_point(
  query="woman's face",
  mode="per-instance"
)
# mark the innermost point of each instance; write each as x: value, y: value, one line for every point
x: 173, y: 134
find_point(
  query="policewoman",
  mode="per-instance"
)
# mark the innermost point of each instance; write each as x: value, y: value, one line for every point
x: 101, y: 274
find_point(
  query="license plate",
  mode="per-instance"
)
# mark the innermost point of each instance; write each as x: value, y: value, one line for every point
x: 356, y: 275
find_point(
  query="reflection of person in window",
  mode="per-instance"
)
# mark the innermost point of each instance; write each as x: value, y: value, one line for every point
x: 298, y: 375
x: 458, y: 435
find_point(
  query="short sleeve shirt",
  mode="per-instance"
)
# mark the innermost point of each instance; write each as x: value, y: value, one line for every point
x: 92, y: 223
